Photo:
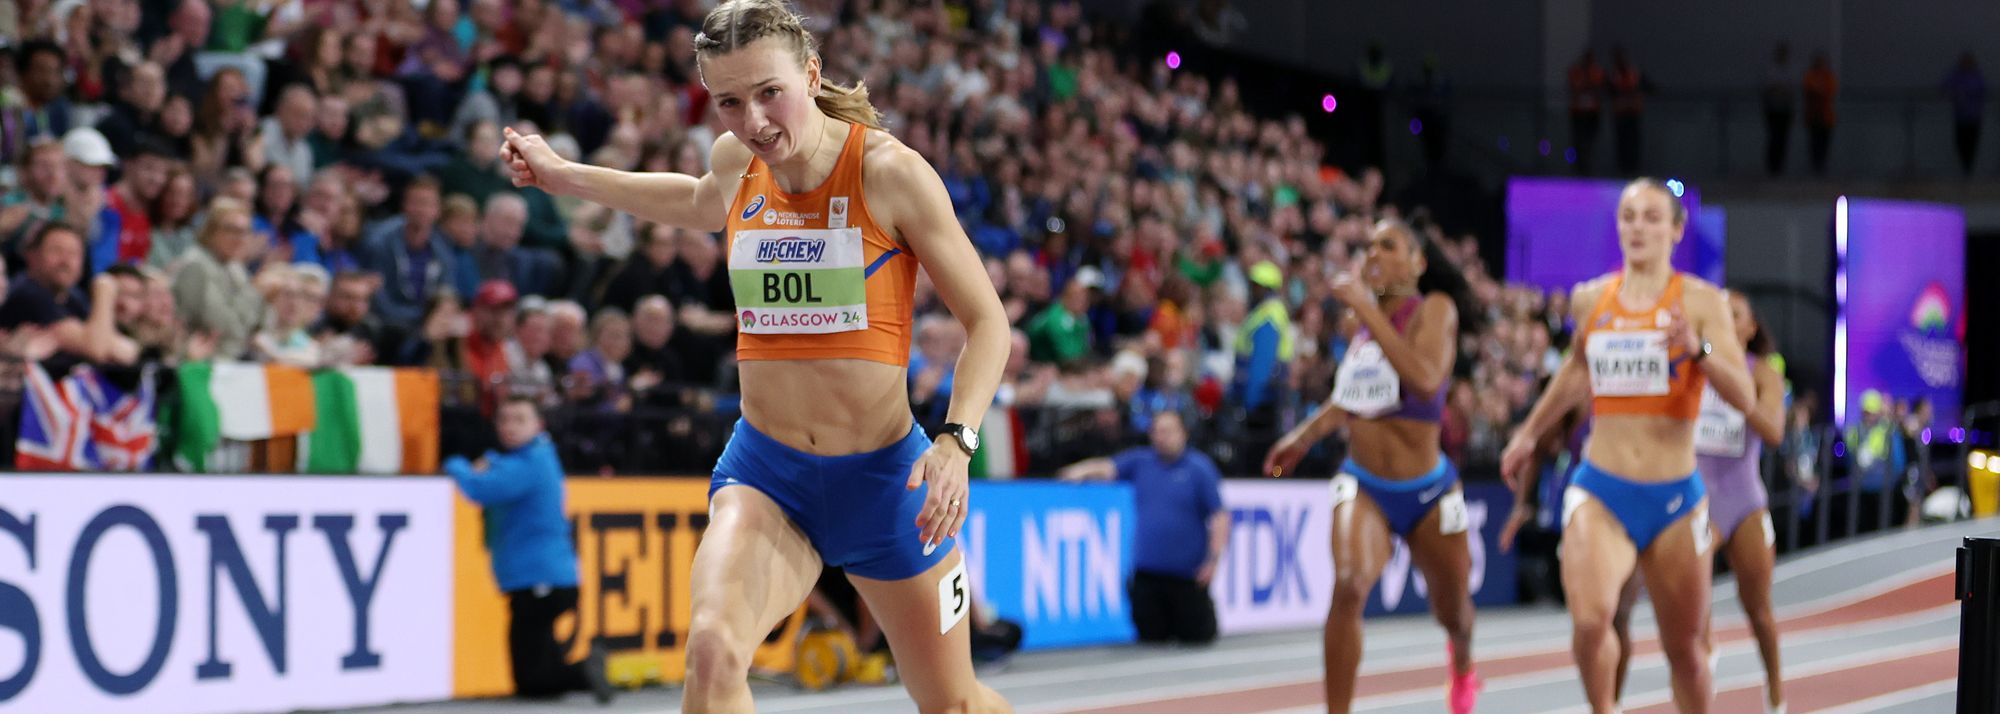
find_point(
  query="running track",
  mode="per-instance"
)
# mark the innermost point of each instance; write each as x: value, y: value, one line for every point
x: 1868, y: 626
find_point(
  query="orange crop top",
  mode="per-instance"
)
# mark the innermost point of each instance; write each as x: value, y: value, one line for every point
x: 1633, y: 371
x: 814, y: 276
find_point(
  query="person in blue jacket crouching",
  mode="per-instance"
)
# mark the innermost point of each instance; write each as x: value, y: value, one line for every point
x: 520, y: 486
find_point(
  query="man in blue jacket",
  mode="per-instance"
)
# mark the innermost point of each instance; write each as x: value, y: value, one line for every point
x: 520, y: 486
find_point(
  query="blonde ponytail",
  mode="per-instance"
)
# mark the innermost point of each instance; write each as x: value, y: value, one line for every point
x: 848, y: 104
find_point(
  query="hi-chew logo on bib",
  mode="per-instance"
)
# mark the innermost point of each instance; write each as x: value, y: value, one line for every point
x: 756, y: 204
x: 791, y: 249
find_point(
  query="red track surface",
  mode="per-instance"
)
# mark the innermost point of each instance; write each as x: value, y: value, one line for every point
x: 1806, y: 692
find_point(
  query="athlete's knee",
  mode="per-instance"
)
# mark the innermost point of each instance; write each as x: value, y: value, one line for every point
x: 715, y: 657
x: 1683, y: 648
x: 1592, y: 627
x: 1350, y: 591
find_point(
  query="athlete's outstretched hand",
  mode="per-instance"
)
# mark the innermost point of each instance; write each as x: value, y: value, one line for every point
x: 944, y: 467
x: 1521, y: 516
x: 530, y: 162
x: 1285, y: 455
x: 1514, y: 460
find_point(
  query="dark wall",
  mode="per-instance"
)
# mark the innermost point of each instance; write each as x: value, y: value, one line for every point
x: 1687, y: 44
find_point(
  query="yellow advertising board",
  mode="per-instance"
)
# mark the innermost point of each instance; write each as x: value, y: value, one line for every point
x: 635, y: 541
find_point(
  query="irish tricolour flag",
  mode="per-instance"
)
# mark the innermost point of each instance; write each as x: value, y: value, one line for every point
x: 374, y: 420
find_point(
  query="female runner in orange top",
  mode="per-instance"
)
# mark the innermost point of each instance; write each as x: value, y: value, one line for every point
x: 829, y: 218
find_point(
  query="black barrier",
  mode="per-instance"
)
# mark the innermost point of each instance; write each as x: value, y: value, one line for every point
x: 1978, y: 593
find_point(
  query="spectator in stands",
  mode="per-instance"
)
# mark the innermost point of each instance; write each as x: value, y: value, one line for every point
x: 492, y: 326
x: 1182, y: 531
x: 499, y: 255
x: 566, y: 336
x: 332, y: 131
x: 40, y: 197
x: 1059, y: 333
x: 90, y: 161
x: 528, y: 372
x: 1263, y: 342
x: 1629, y: 88
x: 127, y: 224
x: 48, y: 297
x: 285, y: 232
x: 439, y: 338
x: 137, y: 108
x: 44, y: 108
x: 1965, y: 86
x: 173, y: 218
x: 331, y: 204
x: 476, y: 171
x: 212, y: 289
x: 458, y: 222
x: 175, y: 52
x: 697, y: 283
x: 648, y: 270
x: 286, y: 134
x: 176, y: 126
x: 410, y: 254
x: 653, y: 362
x: 589, y: 270
x: 520, y: 485
x: 597, y: 375
x: 1822, y: 91
x: 347, y: 332
x: 1780, y: 100
x: 225, y: 127
x: 297, y: 294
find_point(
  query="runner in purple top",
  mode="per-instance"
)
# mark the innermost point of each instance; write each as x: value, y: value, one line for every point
x: 1728, y: 445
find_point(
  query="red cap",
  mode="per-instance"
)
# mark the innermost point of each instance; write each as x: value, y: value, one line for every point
x: 495, y: 293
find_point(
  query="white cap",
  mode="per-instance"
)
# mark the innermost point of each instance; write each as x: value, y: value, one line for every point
x: 1090, y: 277
x: 88, y: 147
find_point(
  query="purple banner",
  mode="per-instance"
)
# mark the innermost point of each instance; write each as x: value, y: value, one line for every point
x: 1561, y: 232
x: 1902, y: 305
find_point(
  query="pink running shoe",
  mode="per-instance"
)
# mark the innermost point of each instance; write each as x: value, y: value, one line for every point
x: 1464, y: 687
x: 1465, y: 692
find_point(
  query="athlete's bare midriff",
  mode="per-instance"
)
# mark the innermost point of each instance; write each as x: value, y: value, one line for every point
x: 1641, y: 447
x: 827, y: 407
x: 1394, y: 449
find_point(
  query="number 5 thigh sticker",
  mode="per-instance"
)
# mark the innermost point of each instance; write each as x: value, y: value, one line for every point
x: 1451, y: 513
x: 953, y: 600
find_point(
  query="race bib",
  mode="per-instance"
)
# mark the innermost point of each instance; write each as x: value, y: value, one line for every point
x: 1628, y: 364
x: 1366, y: 385
x: 800, y: 281
x: 1721, y: 430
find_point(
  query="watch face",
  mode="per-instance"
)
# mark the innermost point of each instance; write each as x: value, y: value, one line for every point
x: 971, y: 439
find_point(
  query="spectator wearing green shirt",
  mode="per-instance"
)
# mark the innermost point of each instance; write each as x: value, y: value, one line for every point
x: 1059, y: 333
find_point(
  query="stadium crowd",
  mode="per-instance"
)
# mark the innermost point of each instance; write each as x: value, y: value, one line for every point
x: 315, y: 182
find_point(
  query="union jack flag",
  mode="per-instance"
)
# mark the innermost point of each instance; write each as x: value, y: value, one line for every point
x: 84, y: 422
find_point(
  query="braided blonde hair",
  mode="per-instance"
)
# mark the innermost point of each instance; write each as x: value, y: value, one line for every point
x: 736, y: 23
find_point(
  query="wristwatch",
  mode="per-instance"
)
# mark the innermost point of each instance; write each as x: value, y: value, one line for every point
x: 967, y: 437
